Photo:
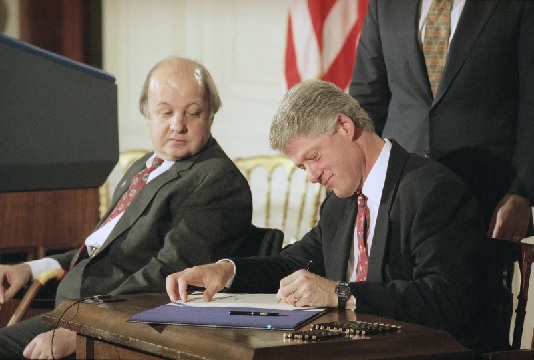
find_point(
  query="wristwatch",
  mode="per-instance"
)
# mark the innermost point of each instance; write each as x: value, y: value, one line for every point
x: 343, y: 293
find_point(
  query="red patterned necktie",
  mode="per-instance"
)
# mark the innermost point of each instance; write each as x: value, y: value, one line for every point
x: 361, y: 230
x: 138, y: 181
x: 436, y: 41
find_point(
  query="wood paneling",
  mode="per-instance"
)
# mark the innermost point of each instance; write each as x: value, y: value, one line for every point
x: 45, y: 220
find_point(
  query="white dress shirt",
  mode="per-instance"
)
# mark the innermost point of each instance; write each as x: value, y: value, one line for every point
x: 372, y: 189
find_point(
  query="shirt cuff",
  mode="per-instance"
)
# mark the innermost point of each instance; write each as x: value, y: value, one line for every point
x: 40, y: 266
x: 351, y: 303
x: 229, y: 283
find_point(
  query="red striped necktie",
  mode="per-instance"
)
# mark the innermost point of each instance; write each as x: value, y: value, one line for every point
x: 361, y: 232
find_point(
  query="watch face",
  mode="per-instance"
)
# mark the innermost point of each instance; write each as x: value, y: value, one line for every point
x: 343, y: 289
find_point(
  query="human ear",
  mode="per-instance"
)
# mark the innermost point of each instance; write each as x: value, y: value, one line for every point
x: 345, y: 125
x: 147, y: 120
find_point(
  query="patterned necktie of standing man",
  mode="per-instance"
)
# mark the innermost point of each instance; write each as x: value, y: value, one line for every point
x: 361, y: 232
x: 138, y: 181
x: 436, y: 41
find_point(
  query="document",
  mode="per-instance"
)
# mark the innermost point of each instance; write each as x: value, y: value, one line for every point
x: 257, y: 311
x: 267, y: 301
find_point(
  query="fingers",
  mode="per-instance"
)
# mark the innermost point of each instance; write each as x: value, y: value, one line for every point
x: 28, y: 351
x: 212, y: 277
x: 40, y: 346
x: 292, y: 287
x: 182, y: 288
x: 492, y: 229
x: 508, y: 231
x: 510, y: 218
x: 171, y: 286
x: 2, y: 296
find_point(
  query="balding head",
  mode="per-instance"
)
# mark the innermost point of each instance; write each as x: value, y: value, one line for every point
x: 183, y: 67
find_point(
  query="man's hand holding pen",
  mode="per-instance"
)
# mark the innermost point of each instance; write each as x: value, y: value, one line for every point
x: 303, y: 288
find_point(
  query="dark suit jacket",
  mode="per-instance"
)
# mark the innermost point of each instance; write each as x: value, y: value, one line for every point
x: 481, y: 122
x: 196, y: 212
x: 422, y: 265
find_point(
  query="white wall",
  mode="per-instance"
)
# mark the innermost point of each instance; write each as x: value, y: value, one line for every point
x: 241, y: 43
x: 12, y: 26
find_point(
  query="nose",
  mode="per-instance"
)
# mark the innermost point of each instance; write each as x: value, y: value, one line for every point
x: 313, y: 175
x: 177, y: 123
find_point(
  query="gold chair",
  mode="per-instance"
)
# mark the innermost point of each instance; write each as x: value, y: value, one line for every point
x: 282, y: 197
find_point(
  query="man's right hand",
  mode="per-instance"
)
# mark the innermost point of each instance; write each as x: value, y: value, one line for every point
x: 213, y: 277
x: 12, y: 279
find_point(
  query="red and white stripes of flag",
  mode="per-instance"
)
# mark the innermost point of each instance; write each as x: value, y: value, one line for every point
x: 322, y: 37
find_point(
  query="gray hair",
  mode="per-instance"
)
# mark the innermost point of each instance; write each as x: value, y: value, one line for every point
x: 201, y: 73
x: 312, y: 108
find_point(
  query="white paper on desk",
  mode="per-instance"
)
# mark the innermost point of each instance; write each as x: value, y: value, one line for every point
x: 262, y: 301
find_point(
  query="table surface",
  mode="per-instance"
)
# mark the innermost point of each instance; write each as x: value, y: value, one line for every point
x: 108, y: 322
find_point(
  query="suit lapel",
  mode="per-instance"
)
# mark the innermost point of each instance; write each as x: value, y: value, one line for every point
x: 343, y: 240
x: 404, y: 19
x: 474, y: 16
x: 143, y: 199
x: 397, y: 160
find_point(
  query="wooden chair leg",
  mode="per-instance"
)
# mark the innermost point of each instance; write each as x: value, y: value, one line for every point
x: 525, y: 265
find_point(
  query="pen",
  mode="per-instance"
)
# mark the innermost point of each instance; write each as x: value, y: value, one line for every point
x: 255, y: 313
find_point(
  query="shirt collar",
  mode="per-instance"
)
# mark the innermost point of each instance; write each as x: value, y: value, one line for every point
x: 374, y: 184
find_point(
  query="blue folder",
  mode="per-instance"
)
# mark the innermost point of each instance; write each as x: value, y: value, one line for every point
x: 220, y: 317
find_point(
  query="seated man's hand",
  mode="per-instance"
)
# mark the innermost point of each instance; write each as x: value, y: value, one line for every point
x: 303, y: 288
x: 12, y: 279
x: 41, y: 346
x: 213, y: 277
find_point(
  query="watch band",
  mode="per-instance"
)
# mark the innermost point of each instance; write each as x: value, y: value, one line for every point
x: 343, y: 293
x: 341, y: 302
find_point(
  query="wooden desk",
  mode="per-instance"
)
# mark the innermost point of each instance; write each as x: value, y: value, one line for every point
x: 104, y: 333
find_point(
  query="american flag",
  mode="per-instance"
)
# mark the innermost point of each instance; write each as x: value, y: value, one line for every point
x: 322, y: 36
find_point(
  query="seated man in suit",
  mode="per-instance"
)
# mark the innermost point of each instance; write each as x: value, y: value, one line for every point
x: 412, y: 256
x: 195, y: 208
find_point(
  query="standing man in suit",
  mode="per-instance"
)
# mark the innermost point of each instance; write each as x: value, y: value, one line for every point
x: 478, y: 118
x: 195, y: 207
x: 417, y: 262
x: 480, y: 121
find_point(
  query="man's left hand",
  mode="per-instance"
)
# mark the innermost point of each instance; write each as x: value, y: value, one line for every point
x: 510, y: 218
x: 41, y: 346
x: 303, y: 288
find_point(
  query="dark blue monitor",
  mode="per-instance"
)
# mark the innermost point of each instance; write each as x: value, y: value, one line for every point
x: 58, y: 120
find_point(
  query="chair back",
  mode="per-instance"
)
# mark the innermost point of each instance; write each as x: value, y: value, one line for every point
x: 282, y: 197
x: 261, y: 241
x: 126, y: 159
x: 525, y: 265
